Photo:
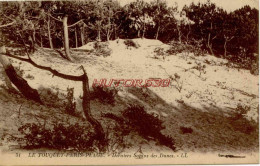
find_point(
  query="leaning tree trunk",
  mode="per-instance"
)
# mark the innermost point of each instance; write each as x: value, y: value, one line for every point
x: 66, y: 38
x: 17, y: 80
x: 99, y: 131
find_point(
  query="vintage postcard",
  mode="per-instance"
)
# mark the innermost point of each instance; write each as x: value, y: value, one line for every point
x: 124, y: 82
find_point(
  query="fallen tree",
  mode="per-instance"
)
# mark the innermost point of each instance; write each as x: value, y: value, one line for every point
x: 99, y: 132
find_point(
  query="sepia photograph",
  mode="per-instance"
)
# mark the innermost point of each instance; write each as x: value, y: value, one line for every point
x: 127, y: 82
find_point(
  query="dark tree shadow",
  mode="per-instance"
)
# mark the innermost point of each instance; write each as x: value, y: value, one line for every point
x: 213, y: 129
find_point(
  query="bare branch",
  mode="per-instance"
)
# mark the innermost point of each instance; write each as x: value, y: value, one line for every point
x: 75, y: 23
x: 5, y: 25
x: 8, y: 17
x: 231, y: 38
x: 91, y: 26
x: 53, y: 17
x: 116, y: 13
x: 228, y: 38
x: 53, y: 71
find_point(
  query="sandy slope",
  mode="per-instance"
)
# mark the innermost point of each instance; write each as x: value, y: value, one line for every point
x: 224, y: 87
x: 205, y: 102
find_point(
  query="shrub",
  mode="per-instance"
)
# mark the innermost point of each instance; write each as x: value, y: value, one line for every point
x: 159, y: 52
x: 255, y: 65
x: 29, y: 76
x: 240, y: 111
x: 240, y: 122
x: 196, y: 47
x: 193, y: 47
x: 244, y: 126
x: 70, y: 107
x: 254, y: 69
x: 71, y: 137
x: 117, y: 132
x: 179, y: 83
x: 130, y: 43
x: 186, y: 130
x: 102, y: 49
x: 244, y: 60
x: 176, y: 48
x: 51, y: 97
x: 146, y: 125
x: 201, y: 68
x: 104, y: 94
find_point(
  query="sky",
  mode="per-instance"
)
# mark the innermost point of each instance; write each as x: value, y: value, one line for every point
x: 228, y: 5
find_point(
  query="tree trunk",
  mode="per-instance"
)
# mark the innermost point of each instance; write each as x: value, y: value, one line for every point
x: 227, y: 39
x: 187, y: 38
x: 107, y: 37
x: 98, y: 129
x: 115, y: 32
x: 179, y: 33
x: 34, y: 38
x: 49, y: 32
x: 210, y: 45
x: 33, y: 35
x: 210, y: 40
x: 99, y: 35
x: 157, y: 33
x: 138, y: 34
x: 99, y: 31
x: 41, y: 41
x: 17, y: 80
x: 82, y: 32
x: 76, y: 37
x: 159, y: 23
x: 100, y: 134
x: 9, y: 83
x: 225, y: 48
x: 32, y: 47
x: 109, y: 27
x: 66, y: 38
x: 144, y: 29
